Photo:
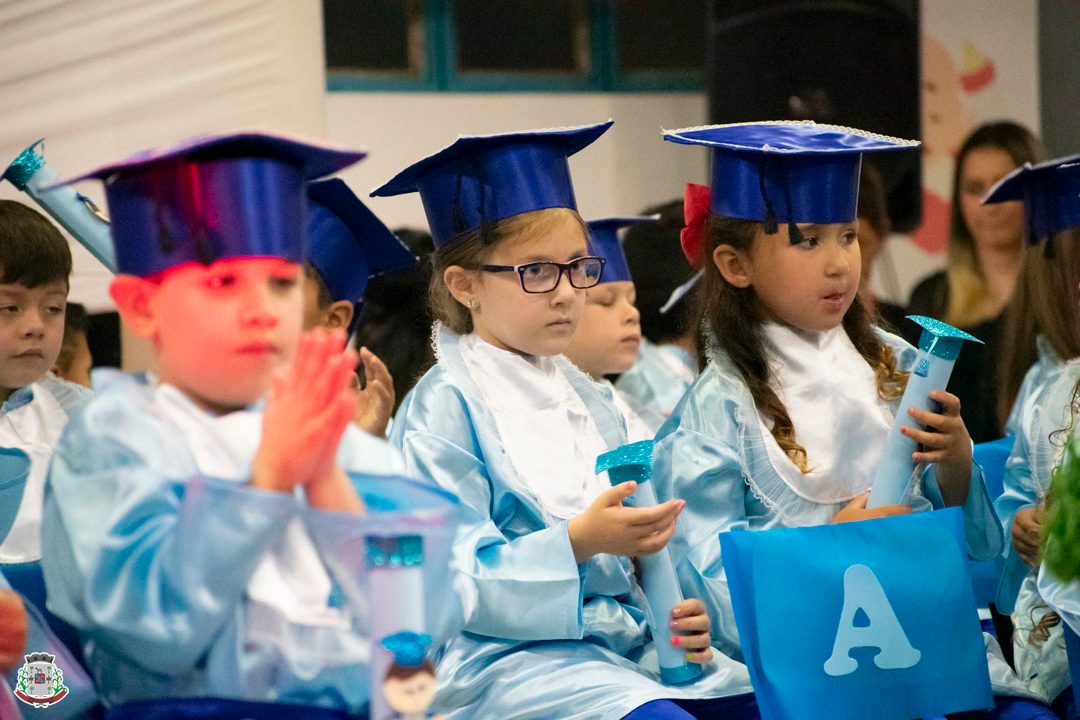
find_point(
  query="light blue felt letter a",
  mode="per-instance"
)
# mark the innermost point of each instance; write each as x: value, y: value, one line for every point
x: 863, y: 591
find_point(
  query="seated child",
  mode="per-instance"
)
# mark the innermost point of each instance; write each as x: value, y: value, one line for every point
x: 607, y: 338
x: 504, y: 421
x: 786, y: 425
x: 190, y: 542
x: 1045, y: 305
x: 75, y: 361
x: 35, y: 264
x: 349, y: 246
x: 665, y: 281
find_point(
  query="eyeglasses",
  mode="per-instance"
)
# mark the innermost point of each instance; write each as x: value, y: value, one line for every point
x: 543, y: 276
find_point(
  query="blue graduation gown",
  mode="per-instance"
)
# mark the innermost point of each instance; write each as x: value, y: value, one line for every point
x: 151, y: 561
x: 548, y: 637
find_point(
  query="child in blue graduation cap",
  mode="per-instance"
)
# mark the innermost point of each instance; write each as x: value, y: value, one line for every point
x: 508, y: 424
x: 349, y: 246
x: 35, y: 265
x: 1043, y: 415
x: 661, y: 257
x: 191, y: 541
x: 786, y: 425
x: 607, y: 339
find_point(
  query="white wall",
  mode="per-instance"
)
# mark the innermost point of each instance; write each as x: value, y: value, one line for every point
x: 626, y: 170
x: 100, y: 79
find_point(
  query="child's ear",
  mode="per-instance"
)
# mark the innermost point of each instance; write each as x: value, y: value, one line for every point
x: 339, y: 314
x: 462, y: 284
x: 132, y: 297
x: 734, y: 266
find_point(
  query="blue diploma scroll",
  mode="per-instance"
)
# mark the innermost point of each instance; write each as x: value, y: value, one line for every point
x: 939, y: 346
x: 74, y: 211
x: 661, y: 586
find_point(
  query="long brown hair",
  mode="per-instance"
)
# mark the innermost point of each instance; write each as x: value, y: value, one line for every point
x: 472, y: 250
x: 733, y: 318
x: 1047, y: 303
x: 970, y: 301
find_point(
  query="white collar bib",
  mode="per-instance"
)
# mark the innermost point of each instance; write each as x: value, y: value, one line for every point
x: 546, y: 429
x: 830, y: 393
x: 291, y: 577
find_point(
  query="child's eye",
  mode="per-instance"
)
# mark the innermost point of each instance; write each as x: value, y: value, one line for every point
x: 849, y: 238
x: 284, y: 282
x: 55, y: 309
x: 809, y: 242
x: 220, y: 282
x: 9, y: 309
x: 533, y: 271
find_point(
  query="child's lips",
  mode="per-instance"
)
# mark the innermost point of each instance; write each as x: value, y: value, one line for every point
x: 836, y: 298
x: 30, y: 354
x: 258, y: 348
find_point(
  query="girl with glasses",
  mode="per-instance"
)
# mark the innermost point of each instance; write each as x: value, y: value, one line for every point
x: 512, y: 427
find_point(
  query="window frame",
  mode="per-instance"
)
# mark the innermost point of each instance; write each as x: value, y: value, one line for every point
x: 439, y: 74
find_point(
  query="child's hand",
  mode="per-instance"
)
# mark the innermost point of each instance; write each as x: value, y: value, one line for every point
x: 307, y: 410
x: 12, y: 629
x: 609, y: 527
x: 375, y: 402
x: 691, y: 632
x: 946, y: 443
x: 1026, y: 529
x: 334, y: 492
x: 856, y: 510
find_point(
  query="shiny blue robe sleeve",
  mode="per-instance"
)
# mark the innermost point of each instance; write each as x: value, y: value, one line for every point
x: 528, y: 584
x: 697, y: 459
x: 153, y: 564
x: 143, y: 566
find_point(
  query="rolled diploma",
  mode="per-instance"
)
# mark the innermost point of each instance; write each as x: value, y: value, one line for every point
x: 939, y: 347
x: 29, y: 173
x: 661, y: 585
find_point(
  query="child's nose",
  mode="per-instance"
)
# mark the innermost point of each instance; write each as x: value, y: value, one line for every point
x: 260, y: 310
x: 837, y: 261
x: 564, y: 292
x: 33, y: 323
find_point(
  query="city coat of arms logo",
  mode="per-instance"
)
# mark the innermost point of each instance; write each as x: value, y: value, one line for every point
x: 40, y: 682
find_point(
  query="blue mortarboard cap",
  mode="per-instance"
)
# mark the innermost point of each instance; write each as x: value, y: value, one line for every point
x: 1050, y: 191
x: 408, y: 648
x: 941, y: 339
x: 786, y: 171
x: 211, y: 198
x: 486, y: 178
x: 604, y: 242
x: 347, y: 244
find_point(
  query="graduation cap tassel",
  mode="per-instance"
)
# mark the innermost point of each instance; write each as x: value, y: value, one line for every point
x: 771, y: 226
x: 460, y: 224
x: 487, y: 234
x: 795, y: 235
x: 165, y: 239
x: 1037, y: 237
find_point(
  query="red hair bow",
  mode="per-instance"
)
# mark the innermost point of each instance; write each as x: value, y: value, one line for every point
x: 695, y: 211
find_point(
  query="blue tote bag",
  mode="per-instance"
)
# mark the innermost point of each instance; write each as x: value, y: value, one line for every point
x: 867, y: 619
